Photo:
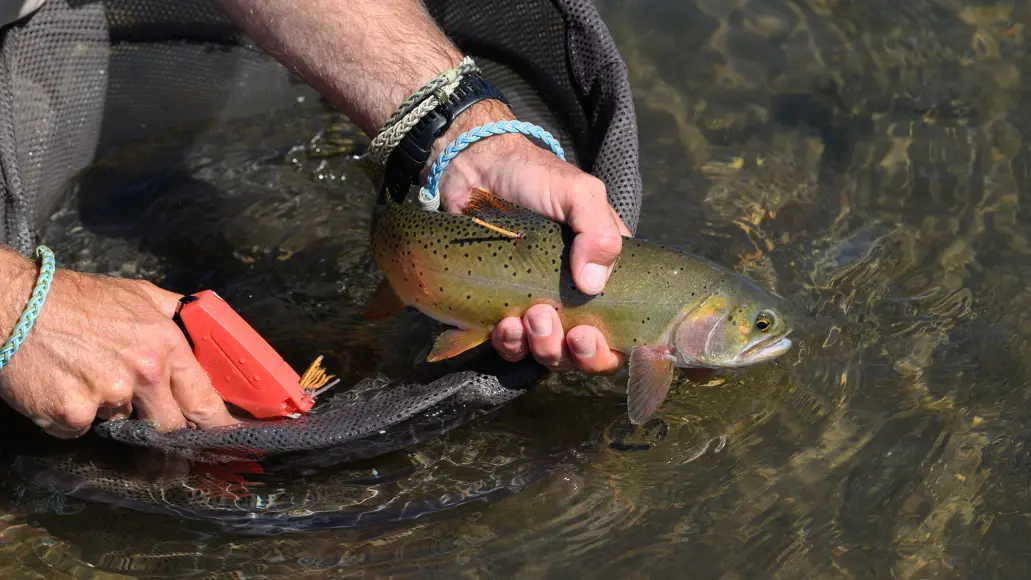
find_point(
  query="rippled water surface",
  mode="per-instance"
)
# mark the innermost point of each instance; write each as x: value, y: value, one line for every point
x: 864, y: 158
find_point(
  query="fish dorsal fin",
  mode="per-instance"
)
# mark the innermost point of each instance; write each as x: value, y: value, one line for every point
x: 487, y: 206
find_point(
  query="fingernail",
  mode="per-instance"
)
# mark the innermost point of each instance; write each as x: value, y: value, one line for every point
x: 540, y: 324
x: 512, y: 336
x: 582, y: 347
x: 593, y: 277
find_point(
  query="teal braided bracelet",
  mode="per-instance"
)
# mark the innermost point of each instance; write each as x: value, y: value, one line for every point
x: 28, y: 318
x: 429, y: 196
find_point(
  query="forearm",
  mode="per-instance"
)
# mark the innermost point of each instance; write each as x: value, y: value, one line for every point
x: 366, y: 56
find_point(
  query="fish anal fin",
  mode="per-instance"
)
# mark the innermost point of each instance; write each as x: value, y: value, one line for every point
x: 383, y: 303
x: 651, y: 373
x: 454, y: 342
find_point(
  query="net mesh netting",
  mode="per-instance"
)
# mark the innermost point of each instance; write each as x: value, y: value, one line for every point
x: 81, y: 78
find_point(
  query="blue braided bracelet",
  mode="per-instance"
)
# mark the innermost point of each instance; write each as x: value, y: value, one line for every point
x: 429, y: 196
x: 28, y: 318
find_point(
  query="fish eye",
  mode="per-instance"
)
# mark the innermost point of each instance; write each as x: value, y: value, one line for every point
x: 764, y: 321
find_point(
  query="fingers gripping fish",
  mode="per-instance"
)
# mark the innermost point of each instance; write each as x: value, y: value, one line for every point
x: 662, y: 307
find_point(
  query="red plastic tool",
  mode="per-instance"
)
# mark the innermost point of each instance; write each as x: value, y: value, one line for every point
x: 243, y: 368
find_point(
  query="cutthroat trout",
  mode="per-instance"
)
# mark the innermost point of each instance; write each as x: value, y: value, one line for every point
x: 661, y: 306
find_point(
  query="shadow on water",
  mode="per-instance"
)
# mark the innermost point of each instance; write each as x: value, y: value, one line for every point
x: 282, y: 237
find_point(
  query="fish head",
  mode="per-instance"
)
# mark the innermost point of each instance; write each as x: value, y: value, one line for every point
x: 737, y: 326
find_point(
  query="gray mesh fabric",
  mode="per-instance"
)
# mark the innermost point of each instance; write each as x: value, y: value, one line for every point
x: 81, y: 78
x: 371, y: 420
x: 562, y: 49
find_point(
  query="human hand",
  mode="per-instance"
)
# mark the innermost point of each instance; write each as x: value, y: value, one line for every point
x: 514, y: 168
x: 101, y: 347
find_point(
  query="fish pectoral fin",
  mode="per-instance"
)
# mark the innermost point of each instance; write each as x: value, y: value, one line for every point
x: 651, y: 373
x: 455, y: 342
x: 383, y: 303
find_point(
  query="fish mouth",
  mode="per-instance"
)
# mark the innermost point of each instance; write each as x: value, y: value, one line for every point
x: 764, y: 350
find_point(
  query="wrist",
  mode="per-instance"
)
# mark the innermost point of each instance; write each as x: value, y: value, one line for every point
x: 445, y: 57
x: 470, y: 167
x: 19, y: 276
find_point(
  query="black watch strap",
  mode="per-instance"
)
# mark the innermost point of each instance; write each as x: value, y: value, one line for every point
x: 410, y: 156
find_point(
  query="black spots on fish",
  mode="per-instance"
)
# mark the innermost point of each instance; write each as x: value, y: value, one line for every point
x: 468, y: 297
x: 441, y: 289
x: 434, y: 252
x: 495, y: 254
x: 467, y: 254
x: 506, y: 266
x: 506, y: 305
x: 635, y: 339
x: 470, y: 272
x: 479, y: 258
x: 730, y: 318
x: 529, y: 295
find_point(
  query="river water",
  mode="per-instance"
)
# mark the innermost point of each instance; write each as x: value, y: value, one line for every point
x: 863, y: 158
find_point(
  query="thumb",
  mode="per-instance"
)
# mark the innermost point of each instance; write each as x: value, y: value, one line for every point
x: 599, y: 231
